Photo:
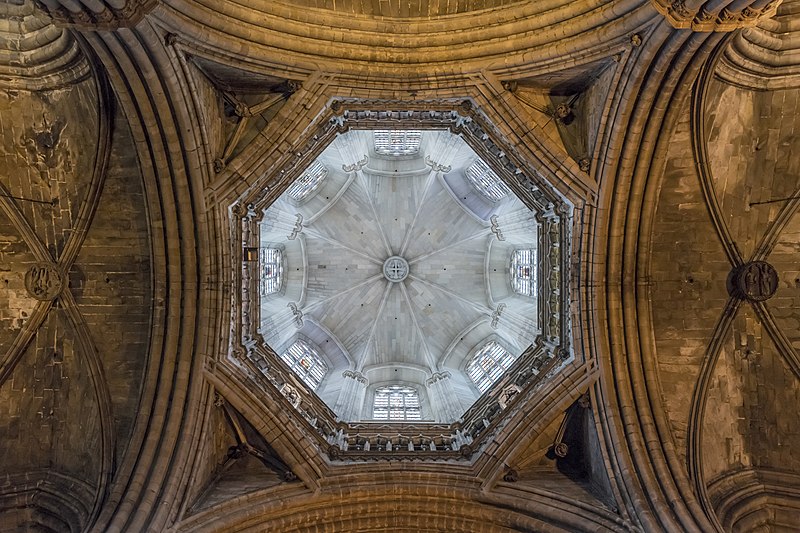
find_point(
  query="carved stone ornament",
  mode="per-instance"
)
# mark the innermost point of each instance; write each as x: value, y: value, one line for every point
x: 561, y: 449
x: 334, y: 451
x: 755, y: 281
x: 291, y: 394
x: 584, y: 402
x: 510, y: 475
x: 219, y: 401
x: 507, y: 395
x: 395, y: 269
x: 358, y: 376
x: 44, y: 281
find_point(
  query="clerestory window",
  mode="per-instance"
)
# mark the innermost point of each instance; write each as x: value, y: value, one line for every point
x: 306, y: 363
x: 271, y: 271
x: 488, y: 364
x: 397, y: 142
x: 523, y: 272
x: 486, y: 181
x: 308, y: 182
x: 396, y: 402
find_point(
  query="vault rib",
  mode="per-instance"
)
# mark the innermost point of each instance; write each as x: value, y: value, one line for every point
x: 428, y: 355
x: 363, y: 185
x: 410, y: 230
x: 363, y: 356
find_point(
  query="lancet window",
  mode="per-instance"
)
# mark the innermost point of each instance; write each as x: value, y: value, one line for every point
x: 396, y: 402
x: 270, y: 270
x: 306, y: 363
x: 523, y: 272
x: 308, y: 182
x: 488, y: 364
x: 486, y: 181
x: 397, y: 142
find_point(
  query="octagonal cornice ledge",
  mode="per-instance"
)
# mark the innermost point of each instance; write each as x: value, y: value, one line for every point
x: 462, y: 442
x: 707, y: 16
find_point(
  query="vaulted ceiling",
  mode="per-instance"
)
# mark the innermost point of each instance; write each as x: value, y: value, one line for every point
x: 142, y: 141
x: 457, y: 245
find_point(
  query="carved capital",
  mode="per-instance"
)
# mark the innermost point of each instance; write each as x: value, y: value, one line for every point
x: 354, y: 374
x: 358, y: 165
x: 436, y: 377
x: 437, y: 167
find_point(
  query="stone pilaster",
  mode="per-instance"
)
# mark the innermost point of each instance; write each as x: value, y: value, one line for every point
x: 443, y: 398
x: 351, y: 397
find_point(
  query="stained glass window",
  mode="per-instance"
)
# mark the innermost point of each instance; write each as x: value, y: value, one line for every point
x: 271, y: 270
x: 488, y: 365
x: 306, y: 363
x: 397, y: 142
x: 308, y: 182
x: 523, y: 272
x: 396, y: 402
x: 486, y: 181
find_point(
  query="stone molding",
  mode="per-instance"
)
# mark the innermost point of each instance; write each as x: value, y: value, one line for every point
x: 102, y: 16
x: 709, y: 17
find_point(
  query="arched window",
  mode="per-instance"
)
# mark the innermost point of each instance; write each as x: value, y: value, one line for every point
x: 523, y: 272
x: 396, y: 402
x: 271, y: 270
x: 486, y: 181
x: 488, y: 365
x: 306, y: 363
x: 308, y: 182
x: 397, y: 142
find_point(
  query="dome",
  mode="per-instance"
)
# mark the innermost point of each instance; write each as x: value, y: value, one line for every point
x: 401, y: 268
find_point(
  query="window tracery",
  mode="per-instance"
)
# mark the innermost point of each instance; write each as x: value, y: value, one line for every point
x: 396, y: 402
x: 488, y: 364
x: 308, y: 182
x: 523, y: 272
x: 270, y: 271
x: 306, y: 363
x: 397, y: 142
x: 486, y: 181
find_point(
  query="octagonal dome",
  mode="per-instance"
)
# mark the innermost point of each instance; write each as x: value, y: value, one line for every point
x: 398, y: 276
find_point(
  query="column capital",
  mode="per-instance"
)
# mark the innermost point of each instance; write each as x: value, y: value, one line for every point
x: 356, y: 375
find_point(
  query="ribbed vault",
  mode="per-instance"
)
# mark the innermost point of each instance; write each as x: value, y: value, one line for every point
x: 456, y: 296
x: 142, y: 142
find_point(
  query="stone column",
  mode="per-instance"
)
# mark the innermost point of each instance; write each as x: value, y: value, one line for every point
x: 351, y: 397
x: 444, y: 402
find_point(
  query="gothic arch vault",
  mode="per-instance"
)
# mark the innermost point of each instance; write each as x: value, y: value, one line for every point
x: 141, y: 141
